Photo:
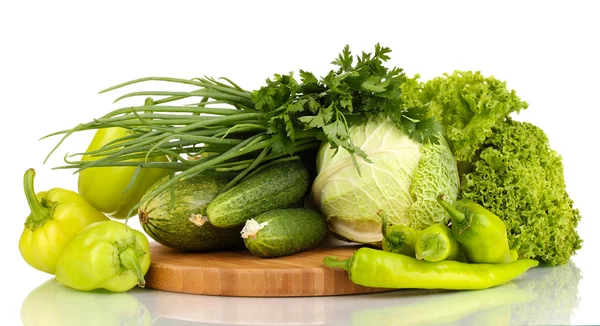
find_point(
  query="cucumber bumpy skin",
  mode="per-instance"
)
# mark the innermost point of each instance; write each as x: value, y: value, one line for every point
x: 275, y: 187
x: 283, y: 232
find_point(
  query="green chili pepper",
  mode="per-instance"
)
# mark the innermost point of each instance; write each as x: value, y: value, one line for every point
x: 481, y: 233
x: 108, y: 255
x: 400, y: 239
x: 437, y: 243
x: 381, y: 269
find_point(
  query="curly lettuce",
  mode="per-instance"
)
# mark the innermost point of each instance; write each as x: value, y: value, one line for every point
x: 520, y: 178
x: 468, y: 105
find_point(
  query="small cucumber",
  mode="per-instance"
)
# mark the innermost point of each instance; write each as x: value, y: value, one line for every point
x: 181, y: 226
x: 283, y: 232
x: 278, y: 186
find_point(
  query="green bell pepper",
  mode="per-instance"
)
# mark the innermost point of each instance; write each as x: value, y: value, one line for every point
x: 57, y: 215
x: 481, y: 233
x: 108, y: 255
x: 108, y: 188
x: 400, y: 239
x: 436, y: 243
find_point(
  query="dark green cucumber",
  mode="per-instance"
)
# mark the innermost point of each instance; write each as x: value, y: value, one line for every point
x: 184, y: 227
x: 277, y: 186
x: 283, y: 232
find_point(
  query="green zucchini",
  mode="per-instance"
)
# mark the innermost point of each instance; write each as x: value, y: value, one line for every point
x: 183, y: 226
x: 278, y: 186
x: 283, y: 232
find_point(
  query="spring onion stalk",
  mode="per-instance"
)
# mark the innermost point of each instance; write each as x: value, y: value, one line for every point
x: 222, y: 133
x: 231, y: 130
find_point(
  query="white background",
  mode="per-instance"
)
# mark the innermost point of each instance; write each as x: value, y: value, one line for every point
x: 56, y: 55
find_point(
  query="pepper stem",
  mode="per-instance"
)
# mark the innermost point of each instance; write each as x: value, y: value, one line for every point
x: 384, y: 222
x: 39, y: 212
x: 456, y: 215
x: 333, y: 261
x: 131, y: 261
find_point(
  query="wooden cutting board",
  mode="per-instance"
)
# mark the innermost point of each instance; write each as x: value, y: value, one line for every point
x: 239, y: 273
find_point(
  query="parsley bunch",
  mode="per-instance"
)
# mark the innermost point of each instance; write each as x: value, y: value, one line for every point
x: 235, y: 132
x: 349, y: 95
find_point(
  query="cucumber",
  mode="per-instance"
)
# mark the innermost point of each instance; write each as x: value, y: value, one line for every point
x: 275, y: 187
x: 283, y: 232
x: 183, y: 227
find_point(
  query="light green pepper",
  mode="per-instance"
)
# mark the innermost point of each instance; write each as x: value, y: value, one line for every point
x: 108, y: 255
x: 481, y: 233
x: 437, y: 243
x: 400, y: 239
x: 381, y: 269
x: 56, y: 217
x: 109, y: 188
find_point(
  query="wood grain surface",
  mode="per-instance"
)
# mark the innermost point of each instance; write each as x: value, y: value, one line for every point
x: 239, y: 273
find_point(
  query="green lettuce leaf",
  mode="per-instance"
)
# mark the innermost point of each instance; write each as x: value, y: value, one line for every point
x: 521, y: 179
x: 467, y: 104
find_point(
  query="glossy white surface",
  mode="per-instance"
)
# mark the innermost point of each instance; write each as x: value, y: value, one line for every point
x: 56, y: 55
x: 543, y: 296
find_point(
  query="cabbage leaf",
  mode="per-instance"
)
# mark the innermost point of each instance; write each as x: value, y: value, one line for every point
x: 404, y: 179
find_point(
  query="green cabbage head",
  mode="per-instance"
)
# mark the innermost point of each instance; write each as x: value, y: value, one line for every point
x: 404, y: 179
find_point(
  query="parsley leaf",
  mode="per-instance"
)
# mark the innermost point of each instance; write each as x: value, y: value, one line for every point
x: 345, y: 59
x: 354, y: 92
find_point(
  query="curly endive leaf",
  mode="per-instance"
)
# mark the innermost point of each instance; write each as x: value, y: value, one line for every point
x: 468, y: 105
x: 521, y: 179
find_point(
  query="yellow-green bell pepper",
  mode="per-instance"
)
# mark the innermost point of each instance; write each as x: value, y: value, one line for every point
x: 105, y: 255
x: 107, y: 188
x: 57, y: 215
x: 481, y: 233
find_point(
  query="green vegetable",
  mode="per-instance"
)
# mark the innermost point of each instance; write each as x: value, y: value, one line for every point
x: 56, y: 216
x: 437, y: 243
x: 108, y: 255
x: 506, y: 166
x: 520, y: 178
x: 283, y: 232
x: 399, y: 239
x: 277, y: 186
x: 114, y: 190
x: 381, y: 269
x: 176, y: 217
x: 468, y: 104
x: 55, y: 304
x: 403, y: 179
x: 481, y: 233
x: 234, y: 130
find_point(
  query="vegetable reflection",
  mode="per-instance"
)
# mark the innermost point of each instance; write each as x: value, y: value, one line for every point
x: 558, y: 297
x: 547, y: 295
x: 445, y: 307
x: 54, y: 304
